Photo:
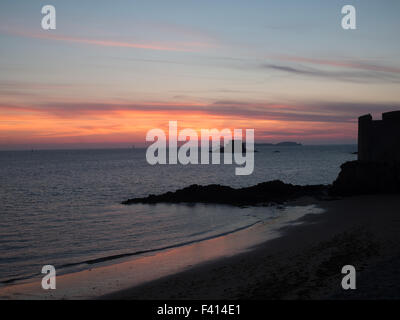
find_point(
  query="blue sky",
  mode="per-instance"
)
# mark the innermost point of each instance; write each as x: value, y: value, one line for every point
x: 286, y: 67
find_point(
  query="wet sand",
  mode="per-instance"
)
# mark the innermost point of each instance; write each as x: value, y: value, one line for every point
x: 304, y: 263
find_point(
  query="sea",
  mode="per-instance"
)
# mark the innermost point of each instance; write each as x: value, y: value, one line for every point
x: 63, y: 207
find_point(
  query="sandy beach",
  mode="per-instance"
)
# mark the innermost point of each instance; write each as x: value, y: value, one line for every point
x: 305, y: 262
x: 295, y: 259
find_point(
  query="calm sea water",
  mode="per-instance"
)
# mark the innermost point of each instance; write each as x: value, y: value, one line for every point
x: 62, y: 207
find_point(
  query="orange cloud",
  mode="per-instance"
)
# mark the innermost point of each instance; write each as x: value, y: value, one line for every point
x: 130, y: 123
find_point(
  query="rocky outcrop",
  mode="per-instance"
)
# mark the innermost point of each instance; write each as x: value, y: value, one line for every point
x: 262, y: 193
x: 360, y: 177
x: 355, y: 178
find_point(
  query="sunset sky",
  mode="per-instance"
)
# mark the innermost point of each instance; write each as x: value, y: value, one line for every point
x: 112, y: 70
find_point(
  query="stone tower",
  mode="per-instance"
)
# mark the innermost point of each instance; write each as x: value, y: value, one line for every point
x: 379, y: 140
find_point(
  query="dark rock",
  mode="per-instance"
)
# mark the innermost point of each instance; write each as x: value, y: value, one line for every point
x: 262, y: 193
x: 355, y: 178
x: 361, y: 177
